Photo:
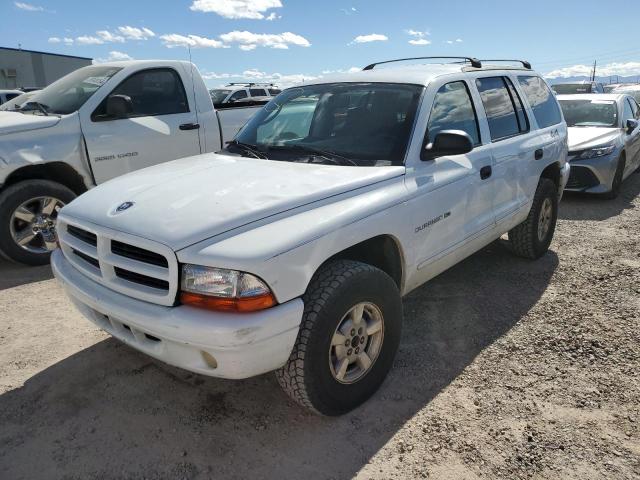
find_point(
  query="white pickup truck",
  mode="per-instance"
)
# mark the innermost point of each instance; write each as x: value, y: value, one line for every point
x: 94, y: 124
x: 291, y: 250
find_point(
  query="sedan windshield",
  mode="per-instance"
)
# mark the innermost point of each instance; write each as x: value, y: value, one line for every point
x: 217, y: 96
x: 571, y: 88
x: 69, y: 93
x: 362, y: 124
x: 590, y: 113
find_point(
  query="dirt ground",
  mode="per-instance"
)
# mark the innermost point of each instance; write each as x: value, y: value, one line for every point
x: 507, y: 369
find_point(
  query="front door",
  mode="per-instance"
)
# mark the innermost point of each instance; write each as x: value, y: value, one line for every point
x: 160, y: 127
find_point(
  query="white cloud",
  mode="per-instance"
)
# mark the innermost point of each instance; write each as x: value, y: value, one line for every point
x: 114, y: 56
x: 417, y: 33
x: 175, y: 40
x: 249, y: 41
x: 54, y: 40
x: 253, y: 9
x: 451, y: 42
x: 349, y: 70
x: 135, y: 33
x: 419, y: 41
x: 616, y: 68
x: 67, y: 41
x: 109, y: 37
x: 349, y: 11
x: 89, y: 40
x: 28, y: 7
x: 373, y: 37
x: 273, y: 16
x: 458, y: 40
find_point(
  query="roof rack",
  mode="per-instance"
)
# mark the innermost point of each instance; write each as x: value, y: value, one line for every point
x: 473, y: 61
x: 524, y: 63
x: 251, y: 84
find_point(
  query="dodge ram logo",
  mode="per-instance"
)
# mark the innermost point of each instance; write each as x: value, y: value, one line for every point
x: 124, y: 206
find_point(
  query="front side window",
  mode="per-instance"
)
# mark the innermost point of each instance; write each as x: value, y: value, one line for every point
x: 218, y: 95
x: 453, y: 110
x: 628, y: 112
x: 362, y: 124
x: 239, y: 95
x: 590, y: 113
x: 499, y: 108
x: 543, y: 103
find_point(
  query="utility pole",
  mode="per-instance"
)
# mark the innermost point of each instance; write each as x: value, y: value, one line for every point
x: 593, y: 75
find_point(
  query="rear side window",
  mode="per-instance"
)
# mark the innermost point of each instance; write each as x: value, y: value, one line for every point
x: 543, y: 103
x: 523, y: 120
x: 499, y: 107
x: 453, y: 110
x: 258, y: 92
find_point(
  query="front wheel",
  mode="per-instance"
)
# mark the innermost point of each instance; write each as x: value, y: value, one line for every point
x: 348, y: 338
x: 531, y: 239
x: 616, y: 184
x: 28, y: 214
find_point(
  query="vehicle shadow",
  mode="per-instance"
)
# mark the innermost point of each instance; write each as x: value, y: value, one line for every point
x: 111, y: 412
x: 582, y: 206
x: 13, y: 274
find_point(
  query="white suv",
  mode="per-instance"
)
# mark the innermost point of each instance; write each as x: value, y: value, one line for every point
x: 241, y: 93
x: 291, y: 249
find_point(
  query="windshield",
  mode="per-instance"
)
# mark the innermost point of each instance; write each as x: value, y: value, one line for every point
x: 362, y: 124
x: 217, y: 96
x: 69, y: 93
x: 571, y: 88
x: 17, y: 101
x: 590, y: 113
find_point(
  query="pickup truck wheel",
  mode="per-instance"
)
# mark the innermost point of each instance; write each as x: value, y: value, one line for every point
x: 348, y: 337
x: 531, y: 239
x: 28, y: 213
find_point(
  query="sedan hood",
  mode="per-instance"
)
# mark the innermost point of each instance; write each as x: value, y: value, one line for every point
x: 186, y: 201
x: 581, y: 138
x: 14, y: 122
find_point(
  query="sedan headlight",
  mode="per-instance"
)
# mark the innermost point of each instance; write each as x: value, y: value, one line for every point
x: 222, y: 289
x: 600, y: 151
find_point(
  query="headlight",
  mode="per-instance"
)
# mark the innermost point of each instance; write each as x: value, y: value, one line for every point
x: 592, y: 152
x: 222, y: 289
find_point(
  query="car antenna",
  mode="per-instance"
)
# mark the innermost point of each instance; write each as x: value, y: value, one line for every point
x: 195, y: 99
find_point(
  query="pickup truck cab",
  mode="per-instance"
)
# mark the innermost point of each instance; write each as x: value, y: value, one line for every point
x: 92, y: 125
x: 291, y: 249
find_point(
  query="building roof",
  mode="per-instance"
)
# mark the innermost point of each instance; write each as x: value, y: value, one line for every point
x: 44, y: 53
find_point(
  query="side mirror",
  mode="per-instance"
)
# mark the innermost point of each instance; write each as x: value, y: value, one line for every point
x: 119, y: 106
x: 632, y: 125
x: 448, y: 142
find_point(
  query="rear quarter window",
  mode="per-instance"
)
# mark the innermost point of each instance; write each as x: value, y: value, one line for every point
x: 543, y: 102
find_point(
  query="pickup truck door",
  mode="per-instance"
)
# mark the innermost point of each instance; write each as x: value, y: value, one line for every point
x: 451, y: 201
x: 160, y: 126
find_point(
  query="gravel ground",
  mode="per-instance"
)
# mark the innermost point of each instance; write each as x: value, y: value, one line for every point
x: 507, y: 369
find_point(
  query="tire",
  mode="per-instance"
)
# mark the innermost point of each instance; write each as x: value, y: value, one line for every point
x: 309, y: 376
x: 26, y: 193
x: 616, y: 184
x: 527, y: 239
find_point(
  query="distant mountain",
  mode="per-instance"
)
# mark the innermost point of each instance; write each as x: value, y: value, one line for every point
x: 605, y: 80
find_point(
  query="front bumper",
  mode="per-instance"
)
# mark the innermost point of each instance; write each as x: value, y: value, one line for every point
x: 594, y: 175
x: 218, y: 344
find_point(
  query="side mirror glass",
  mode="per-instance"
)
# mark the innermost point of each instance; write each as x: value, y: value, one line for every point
x: 119, y: 106
x: 446, y: 143
x: 632, y: 125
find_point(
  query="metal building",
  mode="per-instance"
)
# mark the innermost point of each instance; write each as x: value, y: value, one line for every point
x: 27, y: 68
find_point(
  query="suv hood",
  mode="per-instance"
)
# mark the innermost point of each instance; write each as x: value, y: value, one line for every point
x: 14, y: 122
x: 587, y: 137
x: 186, y: 201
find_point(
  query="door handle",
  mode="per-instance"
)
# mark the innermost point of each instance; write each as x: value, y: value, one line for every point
x: 485, y: 172
x: 539, y: 153
x: 189, y: 126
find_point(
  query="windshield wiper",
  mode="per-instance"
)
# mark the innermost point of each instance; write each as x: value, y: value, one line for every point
x: 38, y: 106
x: 333, y: 157
x: 252, y: 149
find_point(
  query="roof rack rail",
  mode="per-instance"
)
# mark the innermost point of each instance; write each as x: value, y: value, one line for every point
x: 524, y: 63
x: 474, y: 61
x: 251, y: 84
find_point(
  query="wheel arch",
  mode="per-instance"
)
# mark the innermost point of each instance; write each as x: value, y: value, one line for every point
x: 59, y: 172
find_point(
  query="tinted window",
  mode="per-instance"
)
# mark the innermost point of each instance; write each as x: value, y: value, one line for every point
x: 543, y: 102
x: 153, y: 92
x: 523, y: 120
x: 501, y: 114
x: 238, y: 95
x: 453, y: 110
x: 628, y: 112
x: 571, y: 88
x: 274, y: 91
x: 10, y: 96
x: 258, y: 92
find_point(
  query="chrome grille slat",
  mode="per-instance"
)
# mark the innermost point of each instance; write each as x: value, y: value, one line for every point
x: 136, y: 267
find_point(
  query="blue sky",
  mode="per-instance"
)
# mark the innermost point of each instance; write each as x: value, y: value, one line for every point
x: 287, y: 40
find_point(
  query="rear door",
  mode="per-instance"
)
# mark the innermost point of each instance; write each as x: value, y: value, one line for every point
x: 161, y: 127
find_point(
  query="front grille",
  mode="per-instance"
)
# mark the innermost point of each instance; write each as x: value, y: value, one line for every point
x: 141, y: 279
x: 83, y: 235
x: 130, y: 265
x: 581, y: 178
x: 139, y: 254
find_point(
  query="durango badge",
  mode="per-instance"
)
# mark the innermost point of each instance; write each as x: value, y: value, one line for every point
x: 124, y: 206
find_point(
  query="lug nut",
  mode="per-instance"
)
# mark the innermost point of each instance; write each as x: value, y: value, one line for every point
x: 361, y: 339
x: 353, y: 332
x: 347, y: 343
x: 349, y: 352
x: 357, y: 349
x: 360, y: 331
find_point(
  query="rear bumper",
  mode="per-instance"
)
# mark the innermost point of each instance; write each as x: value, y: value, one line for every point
x: 241, y: 345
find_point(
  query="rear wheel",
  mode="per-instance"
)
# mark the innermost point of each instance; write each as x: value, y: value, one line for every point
x: 348, y: 337
x: 616, y: 184
x: 28, y: 214
x: 531, y: 239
